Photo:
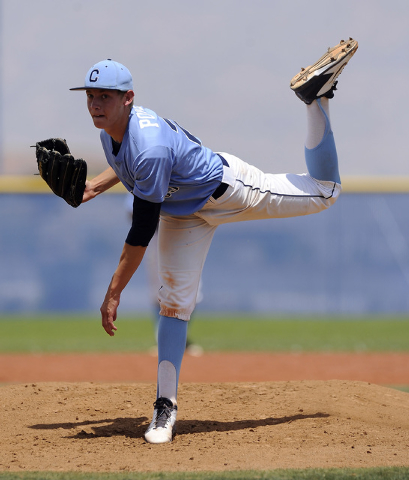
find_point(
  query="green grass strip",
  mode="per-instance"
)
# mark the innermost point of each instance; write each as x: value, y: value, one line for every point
x: 81, y: 333
x: 384, y: 473
x: 72, y: 334
x: 302, y: 335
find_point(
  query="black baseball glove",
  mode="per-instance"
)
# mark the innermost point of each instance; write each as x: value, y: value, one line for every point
x: 64, y: 174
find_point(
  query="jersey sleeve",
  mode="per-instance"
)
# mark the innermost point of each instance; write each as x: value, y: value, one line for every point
x: 145, y: 218
x: 153, y: 170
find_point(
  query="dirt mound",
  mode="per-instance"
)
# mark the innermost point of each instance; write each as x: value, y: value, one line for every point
x: 221, y: 426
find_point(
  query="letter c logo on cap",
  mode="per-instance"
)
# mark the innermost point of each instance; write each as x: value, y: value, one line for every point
x: 93, y: 76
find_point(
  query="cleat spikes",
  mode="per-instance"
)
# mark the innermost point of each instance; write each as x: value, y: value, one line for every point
x: 320, y: 79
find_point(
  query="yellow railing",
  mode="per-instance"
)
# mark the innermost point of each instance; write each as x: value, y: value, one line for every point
x: 35, y: 184
x: 350, y: 184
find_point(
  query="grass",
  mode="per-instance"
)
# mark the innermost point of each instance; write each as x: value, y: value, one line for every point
x: 386, y: 473
x: 81, y: 333
x: 296, y: 335
x: 63, y: 334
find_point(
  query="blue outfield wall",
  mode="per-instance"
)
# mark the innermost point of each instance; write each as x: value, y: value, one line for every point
x: 351, y: 259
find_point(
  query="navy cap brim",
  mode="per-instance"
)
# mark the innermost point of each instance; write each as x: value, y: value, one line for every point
x: 98, y: 88
x: 92, y: 88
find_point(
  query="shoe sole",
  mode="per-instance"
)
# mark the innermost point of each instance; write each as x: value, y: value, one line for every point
x: 168, y: 440
x: 337, y: 56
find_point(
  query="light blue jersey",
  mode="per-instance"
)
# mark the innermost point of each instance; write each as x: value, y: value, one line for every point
x: 159, y: 161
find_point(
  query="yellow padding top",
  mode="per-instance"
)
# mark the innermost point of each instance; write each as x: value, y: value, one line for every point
x: 350, y: 184
x: 35, y: 184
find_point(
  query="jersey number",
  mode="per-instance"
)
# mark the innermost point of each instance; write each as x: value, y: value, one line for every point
x: 174, y: 126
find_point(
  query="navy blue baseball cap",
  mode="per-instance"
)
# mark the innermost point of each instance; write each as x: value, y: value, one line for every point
x: 107, y: 75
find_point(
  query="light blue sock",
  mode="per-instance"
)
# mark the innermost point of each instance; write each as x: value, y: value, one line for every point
x: 172, y: 334
x: 322, y: 161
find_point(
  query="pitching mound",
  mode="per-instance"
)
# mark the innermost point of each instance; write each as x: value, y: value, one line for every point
x: 221, y: 426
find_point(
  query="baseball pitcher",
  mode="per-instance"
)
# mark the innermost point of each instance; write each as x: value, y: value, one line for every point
x: 193, y: 190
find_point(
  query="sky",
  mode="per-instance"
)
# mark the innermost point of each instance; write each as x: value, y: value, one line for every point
x: 220, y: 68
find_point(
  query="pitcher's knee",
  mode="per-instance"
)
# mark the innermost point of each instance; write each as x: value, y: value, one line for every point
x: 330, y: 192
x: 178, y: 295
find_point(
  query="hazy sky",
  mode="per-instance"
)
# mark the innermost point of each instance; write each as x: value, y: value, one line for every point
x: 220, y: 68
